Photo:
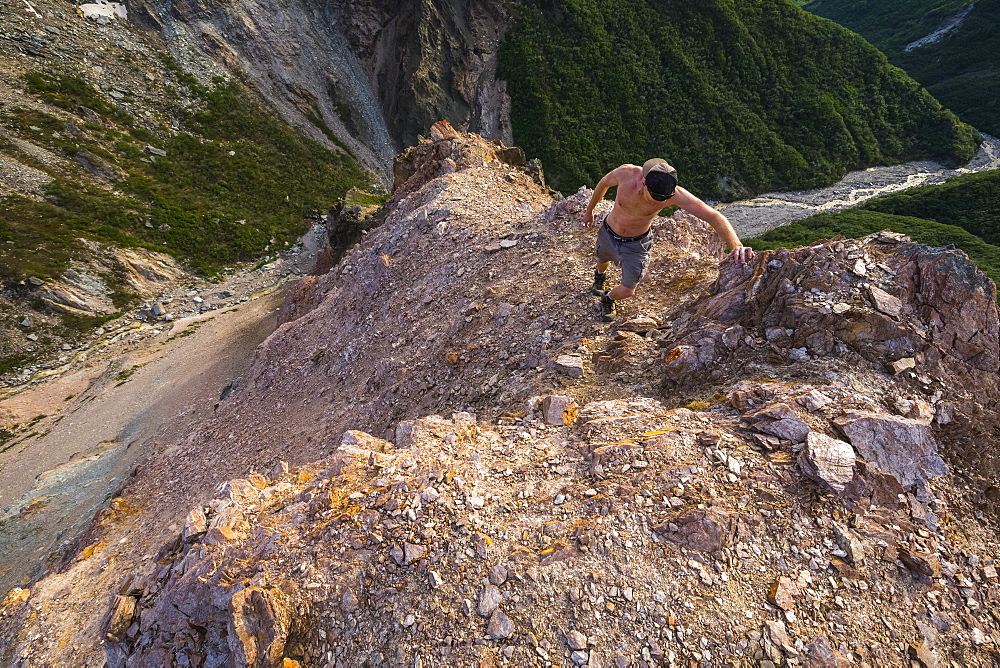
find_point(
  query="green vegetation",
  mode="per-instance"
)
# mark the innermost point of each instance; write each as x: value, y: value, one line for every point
x: 123, y: 375
x: 961, y: 69
x: 238, y: 183
x: 188, y: 331
x: 11, y: 363
x: 70, y: 93
x: 355, y: 197
x: 964, y: 212
x: 741, y: 96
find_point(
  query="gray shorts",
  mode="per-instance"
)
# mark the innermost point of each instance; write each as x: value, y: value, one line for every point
x: 633, y: 256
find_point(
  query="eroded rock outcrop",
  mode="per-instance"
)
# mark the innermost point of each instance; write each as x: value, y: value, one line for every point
x: 881, y: 303
x: 374, y: 74
x: 551, y: 540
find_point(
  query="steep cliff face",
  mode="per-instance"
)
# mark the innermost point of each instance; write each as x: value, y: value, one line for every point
x: 442, y: 458
x: 372, y: 75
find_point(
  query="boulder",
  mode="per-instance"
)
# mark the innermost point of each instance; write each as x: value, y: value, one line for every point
x: 899, y: 446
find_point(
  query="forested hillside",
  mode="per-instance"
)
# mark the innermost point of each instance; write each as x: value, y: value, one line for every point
x: 964, y: 212
x: 960, y: 68
x: 741, y: 96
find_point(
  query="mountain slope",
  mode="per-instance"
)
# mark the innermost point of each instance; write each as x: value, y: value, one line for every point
x: 948, y: 46
x: 107, y: 143
x: 808, y: 486
x: 742, y: 97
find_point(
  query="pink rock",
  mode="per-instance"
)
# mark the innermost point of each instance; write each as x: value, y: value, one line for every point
x: 559, y: 410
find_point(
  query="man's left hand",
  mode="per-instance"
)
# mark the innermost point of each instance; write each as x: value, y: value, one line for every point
x: 741, y: 255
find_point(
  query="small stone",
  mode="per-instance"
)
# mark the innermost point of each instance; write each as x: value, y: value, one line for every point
x: 576, y: 640
x: 489, y: 599
x: 559, y: 410
x: 569, y: 365
x: 194, y: 524
x: 850, y: 544
x: 901, y: 365
x: 782, y: 594
x: 923, y: 655
x: 579, y: 657
x: 734, y: 465
x: 841, y: 308
x: 429, y: 495
x: 409, y: 620
x: 412, y: 552
x: 349, y: 602
x: 434, y: 579
x: 638, y: 325
x: 828, y: 461
x: 498, y: 575
x: 500, y: 626
x: 152, y: 150
x: 26, y: 322
x: 396, y: 552
x: 508, y: 243
x: 813, y: 401
x: 885, y: 302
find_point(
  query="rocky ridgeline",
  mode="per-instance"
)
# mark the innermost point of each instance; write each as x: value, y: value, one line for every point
x: 633, y: 535
x: 778, y: 464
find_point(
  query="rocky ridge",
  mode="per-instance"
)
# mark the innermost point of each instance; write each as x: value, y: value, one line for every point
x: 442, y: 458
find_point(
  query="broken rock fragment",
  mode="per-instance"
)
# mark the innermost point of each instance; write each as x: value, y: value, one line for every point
x: 569, y: 365
x: 819, y: 654
x: 258, y: 627
x: 703, y: 530
x: 781, y: 421
x: 489, y: 599
x: 899, y: 446
x: 885, y: 302
x: 559, y: 410
x: 782, y: 594
x: 500, y: 626
x: 828, y: 461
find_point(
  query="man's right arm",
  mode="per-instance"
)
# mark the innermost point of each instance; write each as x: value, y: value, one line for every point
x: 607, y: 181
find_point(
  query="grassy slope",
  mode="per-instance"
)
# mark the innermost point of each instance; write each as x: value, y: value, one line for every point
x: 964, y: 212
x: 961, y: 70
x: 742, y: 96
x: 235, y: 184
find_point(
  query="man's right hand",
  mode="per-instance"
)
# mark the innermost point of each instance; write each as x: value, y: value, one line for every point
x: 588, y: 218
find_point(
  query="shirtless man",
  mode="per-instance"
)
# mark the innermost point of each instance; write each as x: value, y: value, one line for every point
x: 625, y: 236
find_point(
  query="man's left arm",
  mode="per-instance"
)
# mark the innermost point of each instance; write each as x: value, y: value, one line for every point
x: 693, y: 205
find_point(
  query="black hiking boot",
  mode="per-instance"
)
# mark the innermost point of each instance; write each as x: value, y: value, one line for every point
x: 597, y: 289
x: 607, y: 308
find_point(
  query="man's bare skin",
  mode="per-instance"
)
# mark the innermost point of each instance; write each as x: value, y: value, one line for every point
x: 635, y: 208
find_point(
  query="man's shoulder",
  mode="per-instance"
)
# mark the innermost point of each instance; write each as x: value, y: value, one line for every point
x: 627, y: 171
